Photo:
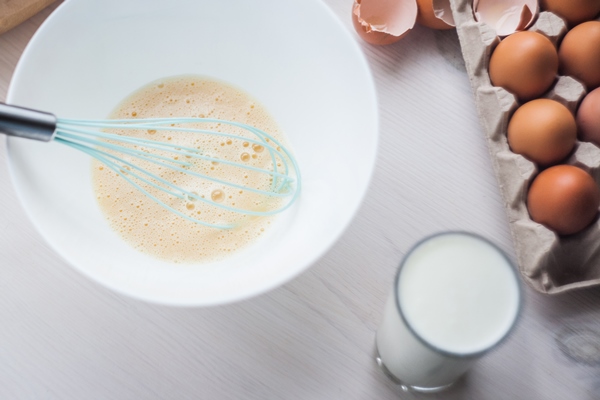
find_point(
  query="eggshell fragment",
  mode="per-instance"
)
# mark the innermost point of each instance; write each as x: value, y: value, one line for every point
x: 442, y: 10
x: 564, y: 198
x: 383, y: 22
x: 435, y: 18
x: 506, y: 16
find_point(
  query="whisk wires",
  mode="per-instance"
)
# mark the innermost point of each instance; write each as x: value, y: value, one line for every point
x: 110, y: 149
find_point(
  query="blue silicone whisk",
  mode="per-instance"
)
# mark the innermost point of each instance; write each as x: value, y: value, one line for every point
x: 110, y: 149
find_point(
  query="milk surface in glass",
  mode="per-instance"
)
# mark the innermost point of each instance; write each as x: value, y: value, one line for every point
x: 455, y: 296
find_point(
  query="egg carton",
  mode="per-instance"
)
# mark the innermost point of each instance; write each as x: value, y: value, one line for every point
x: 549, y: 263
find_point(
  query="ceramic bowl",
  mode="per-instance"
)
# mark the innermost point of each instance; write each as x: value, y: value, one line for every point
x: 295, y: 57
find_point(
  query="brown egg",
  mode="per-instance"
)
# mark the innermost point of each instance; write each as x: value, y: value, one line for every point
x: 573, y: 11
x: 579, y: 54
x: 426, y: 16
x: 543, y: 131
x: 525, y: 64
x: 383, y: 22
x: 564, y: 198
x: 588, y: 117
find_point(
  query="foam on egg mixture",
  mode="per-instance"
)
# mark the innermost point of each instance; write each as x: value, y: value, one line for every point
x: 153, y: 229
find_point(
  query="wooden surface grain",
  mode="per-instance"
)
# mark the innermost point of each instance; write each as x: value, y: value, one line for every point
x: 65, y: 337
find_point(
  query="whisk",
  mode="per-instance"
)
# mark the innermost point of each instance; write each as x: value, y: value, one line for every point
x: 114, y: 151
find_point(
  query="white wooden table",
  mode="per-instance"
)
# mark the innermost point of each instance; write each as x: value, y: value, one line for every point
x: 65, y: 337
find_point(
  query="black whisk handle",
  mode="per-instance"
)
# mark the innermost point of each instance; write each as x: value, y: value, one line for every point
x: 26, y: 123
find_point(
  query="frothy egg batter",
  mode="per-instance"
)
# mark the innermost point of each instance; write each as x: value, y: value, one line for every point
x: 151, y: 228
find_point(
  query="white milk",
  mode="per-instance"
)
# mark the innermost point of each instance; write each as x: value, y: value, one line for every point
x: 459, y: 296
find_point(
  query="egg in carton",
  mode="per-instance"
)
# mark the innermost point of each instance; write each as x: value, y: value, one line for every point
x: 548, y: 262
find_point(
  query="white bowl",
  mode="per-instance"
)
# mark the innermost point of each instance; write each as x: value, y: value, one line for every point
x: 293, y: 56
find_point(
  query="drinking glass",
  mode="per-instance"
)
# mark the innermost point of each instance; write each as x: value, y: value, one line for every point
x: 456, y: 296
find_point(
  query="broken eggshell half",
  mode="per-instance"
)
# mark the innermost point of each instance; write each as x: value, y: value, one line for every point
x: 435, y: 14
x: 383, y: 22
x: 506, y: 16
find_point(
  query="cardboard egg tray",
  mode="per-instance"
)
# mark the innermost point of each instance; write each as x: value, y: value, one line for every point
x: 549, y: 263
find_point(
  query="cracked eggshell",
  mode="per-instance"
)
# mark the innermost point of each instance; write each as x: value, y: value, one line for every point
x: 506, y: 16
x: 435, y: 14
x: 383, y: 22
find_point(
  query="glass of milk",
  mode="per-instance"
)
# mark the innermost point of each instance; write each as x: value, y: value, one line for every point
x: 455, y: 297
